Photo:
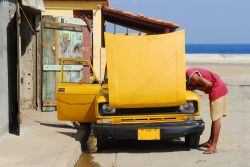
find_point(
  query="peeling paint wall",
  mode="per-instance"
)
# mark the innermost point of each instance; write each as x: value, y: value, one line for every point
x: 28, y: 62
x: 7, y: 11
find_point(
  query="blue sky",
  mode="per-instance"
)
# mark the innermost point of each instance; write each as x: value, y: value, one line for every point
x: 205, y: 21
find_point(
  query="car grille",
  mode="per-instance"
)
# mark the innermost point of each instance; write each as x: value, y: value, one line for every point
x: 144, y: 111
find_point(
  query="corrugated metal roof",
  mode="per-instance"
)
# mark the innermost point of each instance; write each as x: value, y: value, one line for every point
x: 138, y: 22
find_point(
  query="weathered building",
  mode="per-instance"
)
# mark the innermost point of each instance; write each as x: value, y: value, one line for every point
x: 7, y: 23
x: 19, y: 34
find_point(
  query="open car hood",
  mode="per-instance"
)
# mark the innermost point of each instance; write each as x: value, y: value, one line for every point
x: 146, y: 70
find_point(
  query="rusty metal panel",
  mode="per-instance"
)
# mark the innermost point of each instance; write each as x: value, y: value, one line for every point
x: 60, y: 43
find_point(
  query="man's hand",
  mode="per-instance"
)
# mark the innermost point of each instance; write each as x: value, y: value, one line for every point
x: 202, y: 84
x: 189, y: 86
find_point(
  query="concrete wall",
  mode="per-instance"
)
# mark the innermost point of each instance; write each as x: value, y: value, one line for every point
x: 28, y: 62
x: 57, y: 13
x: 7, y: 11
x: 218, y: 58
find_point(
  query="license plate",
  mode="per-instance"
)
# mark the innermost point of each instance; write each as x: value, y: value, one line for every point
x: 149, y: 134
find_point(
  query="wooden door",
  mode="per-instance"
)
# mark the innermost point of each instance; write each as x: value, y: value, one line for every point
x: 62, y: 37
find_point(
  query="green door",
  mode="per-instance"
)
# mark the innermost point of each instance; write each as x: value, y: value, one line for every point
x: 62, y: 37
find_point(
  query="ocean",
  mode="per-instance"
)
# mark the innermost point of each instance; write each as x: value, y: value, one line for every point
x: 218, y: 48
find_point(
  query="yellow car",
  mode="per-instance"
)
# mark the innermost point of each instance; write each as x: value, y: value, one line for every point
x: 142, y: 97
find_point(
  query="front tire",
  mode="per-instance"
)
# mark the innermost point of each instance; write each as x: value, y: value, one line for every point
x: 89, y: 143
x: 192, y: 140
x: 96, y: 143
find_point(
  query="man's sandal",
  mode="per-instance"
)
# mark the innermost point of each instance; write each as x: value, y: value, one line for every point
x: 210, y: 151
x: 206, y: 145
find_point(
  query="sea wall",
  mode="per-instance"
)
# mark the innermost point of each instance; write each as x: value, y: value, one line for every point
x: 218, y: 58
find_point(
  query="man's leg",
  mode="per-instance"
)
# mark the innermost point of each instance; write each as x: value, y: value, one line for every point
x: 208, y: 143
x: 216, y: 126
x: 218, y: 109
x: 211, y: 134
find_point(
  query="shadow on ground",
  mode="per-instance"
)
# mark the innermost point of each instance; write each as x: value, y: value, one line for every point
x: 78, y: 136
x: 134, y: 146
x: 56, y: 125
x: 126, y: 146
x: 70, y: 134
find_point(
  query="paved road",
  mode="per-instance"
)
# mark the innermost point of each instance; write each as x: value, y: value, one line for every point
x: 234, y: 142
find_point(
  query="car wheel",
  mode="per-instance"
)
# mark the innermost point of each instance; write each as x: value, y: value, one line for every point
x: 192, y: 140
x: 89, y: 144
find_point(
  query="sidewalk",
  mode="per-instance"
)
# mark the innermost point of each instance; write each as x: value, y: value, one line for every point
x: 43, y: 142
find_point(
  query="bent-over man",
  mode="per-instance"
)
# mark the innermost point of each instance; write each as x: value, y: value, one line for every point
x: 210, y: 83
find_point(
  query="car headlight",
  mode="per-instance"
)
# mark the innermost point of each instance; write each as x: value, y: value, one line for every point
x: 189, y: 107
x: 104, y: 109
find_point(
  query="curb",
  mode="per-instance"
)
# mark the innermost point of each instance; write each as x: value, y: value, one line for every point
x: 71, y: 154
